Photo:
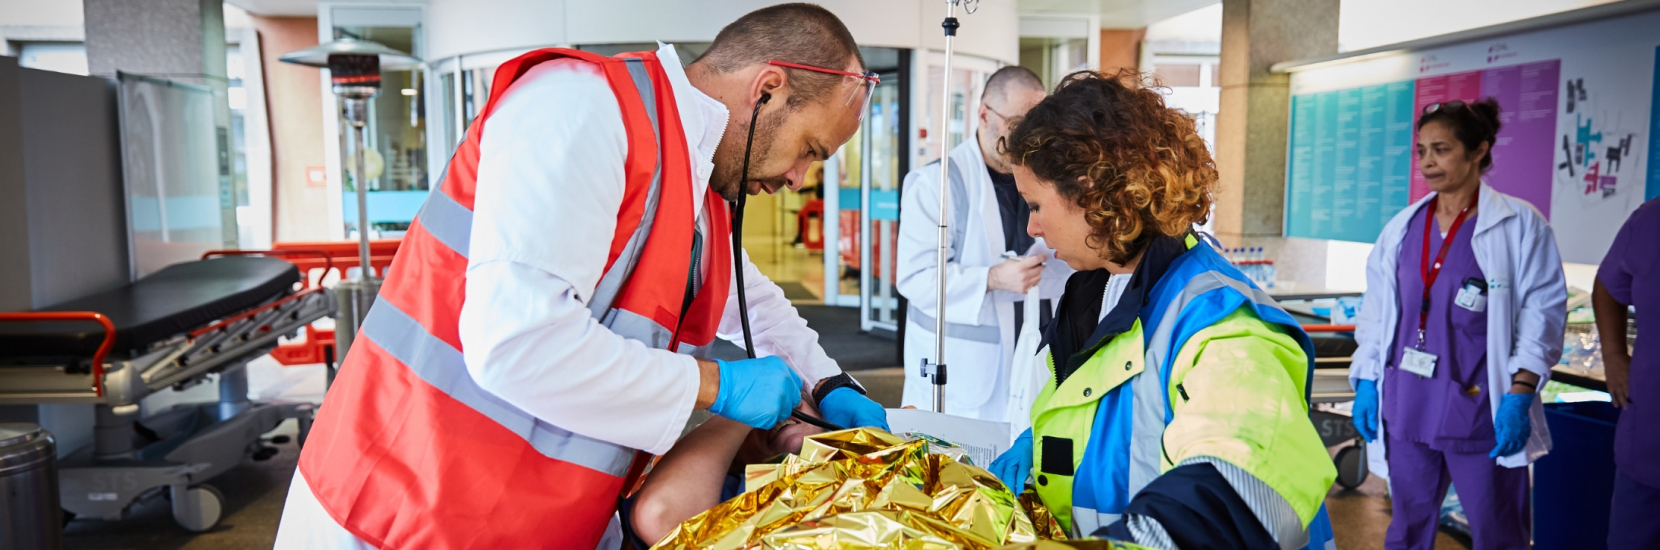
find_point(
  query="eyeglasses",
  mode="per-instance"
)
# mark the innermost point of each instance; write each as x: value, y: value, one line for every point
x: 854, y: 87
x: 1454, y: 104
x: 994, y: 111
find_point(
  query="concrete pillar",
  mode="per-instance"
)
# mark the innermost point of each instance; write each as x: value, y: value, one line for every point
x: 300, y: 202
x: 1252, y: 124
x: 180, y: 40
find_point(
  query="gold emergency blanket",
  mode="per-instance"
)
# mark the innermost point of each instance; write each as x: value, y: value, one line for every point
x: 867, y: 488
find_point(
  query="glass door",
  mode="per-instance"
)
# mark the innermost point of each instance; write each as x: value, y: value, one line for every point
x: 879, y: 208
x: 861, y: 198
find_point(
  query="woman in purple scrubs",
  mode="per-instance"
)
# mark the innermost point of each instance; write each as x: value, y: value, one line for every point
x: 1462, y: 320
x: 1633, y: 377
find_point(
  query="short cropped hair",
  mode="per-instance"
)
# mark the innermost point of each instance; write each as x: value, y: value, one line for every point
x: 800, y: 33
x: 1109, y: 144
x: 1009, y: 79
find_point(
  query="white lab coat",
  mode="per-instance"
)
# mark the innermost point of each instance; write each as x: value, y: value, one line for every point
x: 977, y: 381
x: 550, y: 185
x: 1526, y: 307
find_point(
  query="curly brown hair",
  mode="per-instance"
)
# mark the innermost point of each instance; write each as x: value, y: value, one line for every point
x: 1108, y: 143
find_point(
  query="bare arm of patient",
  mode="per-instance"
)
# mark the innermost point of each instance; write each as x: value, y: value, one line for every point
x: 688, y: 479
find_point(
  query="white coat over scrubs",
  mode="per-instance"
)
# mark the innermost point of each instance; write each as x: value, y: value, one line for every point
x: 1526, y: 308
x: 980, y: 323
x: 550, y: 185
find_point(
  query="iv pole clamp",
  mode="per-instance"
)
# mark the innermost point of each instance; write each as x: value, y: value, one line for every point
x: 936, y: 370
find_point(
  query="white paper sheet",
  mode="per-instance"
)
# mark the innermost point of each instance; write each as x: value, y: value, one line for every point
x: 984, y: 440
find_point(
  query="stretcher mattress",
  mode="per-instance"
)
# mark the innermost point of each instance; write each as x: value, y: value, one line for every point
x: 179, y: 298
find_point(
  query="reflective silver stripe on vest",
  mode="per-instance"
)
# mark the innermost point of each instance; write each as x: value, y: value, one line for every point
x: 446, y: 220
x: 978, y: 333
x: 442, y: 366
x: 1147, y: 436
x: 637, y: 327
x: 1149, y: 532
x: 1086, y: 521
x: 1146, y: 531
x: 605, y: 293
x: 1276, y: 515
x: 1147, y: 430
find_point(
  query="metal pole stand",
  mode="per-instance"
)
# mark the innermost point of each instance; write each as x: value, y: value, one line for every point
x: 936, y: 373
x: 356, y: 295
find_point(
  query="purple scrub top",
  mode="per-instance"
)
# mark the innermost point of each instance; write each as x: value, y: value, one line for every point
x: 1440, y: 411
x: 1628, y: 273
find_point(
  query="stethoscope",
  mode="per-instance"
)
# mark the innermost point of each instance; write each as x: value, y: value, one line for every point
x: 738, y: 258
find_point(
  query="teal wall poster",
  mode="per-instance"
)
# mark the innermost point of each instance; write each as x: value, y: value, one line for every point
x: 1578, y: 105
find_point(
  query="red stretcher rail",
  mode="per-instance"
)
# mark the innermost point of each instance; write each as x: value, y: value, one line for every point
x: 1328, y: 328
x: 342, y: 255
x: 103, y: 348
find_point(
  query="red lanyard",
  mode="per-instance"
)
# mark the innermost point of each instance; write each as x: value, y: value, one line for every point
x: 1432, y: 272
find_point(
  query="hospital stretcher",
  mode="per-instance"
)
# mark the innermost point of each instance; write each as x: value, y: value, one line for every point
x: 174, y: 328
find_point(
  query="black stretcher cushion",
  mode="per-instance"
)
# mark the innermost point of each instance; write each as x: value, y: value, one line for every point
x: 176, y: 300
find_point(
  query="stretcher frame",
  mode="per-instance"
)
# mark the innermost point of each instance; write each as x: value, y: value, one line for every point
x: 171, y: 452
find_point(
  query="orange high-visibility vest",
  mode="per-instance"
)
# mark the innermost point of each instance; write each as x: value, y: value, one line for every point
x: 409, y: 452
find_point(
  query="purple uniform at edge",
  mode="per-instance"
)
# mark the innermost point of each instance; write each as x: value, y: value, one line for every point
x: 1440, y: 428
x: 1628, y: 274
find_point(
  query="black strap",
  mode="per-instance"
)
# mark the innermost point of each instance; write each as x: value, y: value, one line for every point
x: 834, y: 383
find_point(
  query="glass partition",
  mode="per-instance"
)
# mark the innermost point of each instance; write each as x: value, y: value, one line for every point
x: 170, y: 163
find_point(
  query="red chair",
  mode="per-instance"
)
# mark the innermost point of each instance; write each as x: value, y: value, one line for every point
x: 809, y: 223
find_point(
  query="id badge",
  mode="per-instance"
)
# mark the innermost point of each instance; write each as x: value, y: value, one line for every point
x: 1418, y: 362
x: 1472, y: 296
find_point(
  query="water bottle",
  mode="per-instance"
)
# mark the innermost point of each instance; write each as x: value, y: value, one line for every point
x: 1260, y: 271
x: 1270, y: 274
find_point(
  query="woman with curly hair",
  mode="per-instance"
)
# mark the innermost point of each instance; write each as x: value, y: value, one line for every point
x: 1177, y: 413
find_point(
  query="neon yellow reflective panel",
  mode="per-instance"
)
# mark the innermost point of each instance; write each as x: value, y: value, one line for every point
x: 1069, y: 412
x: 1244, y: 381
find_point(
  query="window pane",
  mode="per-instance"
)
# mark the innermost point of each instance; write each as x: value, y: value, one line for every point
x: 1177, y: 75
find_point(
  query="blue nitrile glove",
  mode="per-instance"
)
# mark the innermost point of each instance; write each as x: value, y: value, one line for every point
x: 1512, y: 426
x: 759, y: 392
x: 848, y: 408
x: 1015, y: 464
x: 1366, y: 409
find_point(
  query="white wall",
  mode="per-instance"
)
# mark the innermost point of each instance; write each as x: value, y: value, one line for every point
x: 1365, y: 24
x: 465, y: 27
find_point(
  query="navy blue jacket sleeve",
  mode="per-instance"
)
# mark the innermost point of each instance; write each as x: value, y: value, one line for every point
x: 1197, y: 508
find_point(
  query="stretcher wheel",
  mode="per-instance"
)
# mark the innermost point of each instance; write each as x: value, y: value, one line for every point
x: 199, y: 508
x: 1351, y: 466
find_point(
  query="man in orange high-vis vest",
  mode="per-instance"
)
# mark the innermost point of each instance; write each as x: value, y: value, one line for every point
x: 540, y: 325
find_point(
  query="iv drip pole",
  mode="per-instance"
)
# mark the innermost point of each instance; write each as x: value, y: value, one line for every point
x: 936, y: 370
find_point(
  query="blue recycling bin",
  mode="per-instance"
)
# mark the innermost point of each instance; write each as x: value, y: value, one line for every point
x: 1573, y: 485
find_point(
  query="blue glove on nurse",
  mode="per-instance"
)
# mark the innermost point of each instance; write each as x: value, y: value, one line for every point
x: 1512, y: 426
x: 759, y: 392
x: 1015, y: 464
x: 848, y: 408
x: 1366, y: 409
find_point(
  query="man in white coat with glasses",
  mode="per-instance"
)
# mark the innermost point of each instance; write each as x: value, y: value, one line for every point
x: 991, y: 264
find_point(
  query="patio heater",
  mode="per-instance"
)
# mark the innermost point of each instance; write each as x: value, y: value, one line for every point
x: 354, y: 67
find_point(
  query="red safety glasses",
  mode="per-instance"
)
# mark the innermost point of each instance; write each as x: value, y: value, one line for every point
x: 854, y: 87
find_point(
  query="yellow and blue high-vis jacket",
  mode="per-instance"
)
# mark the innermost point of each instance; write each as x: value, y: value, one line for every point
x: 1180, y: 418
